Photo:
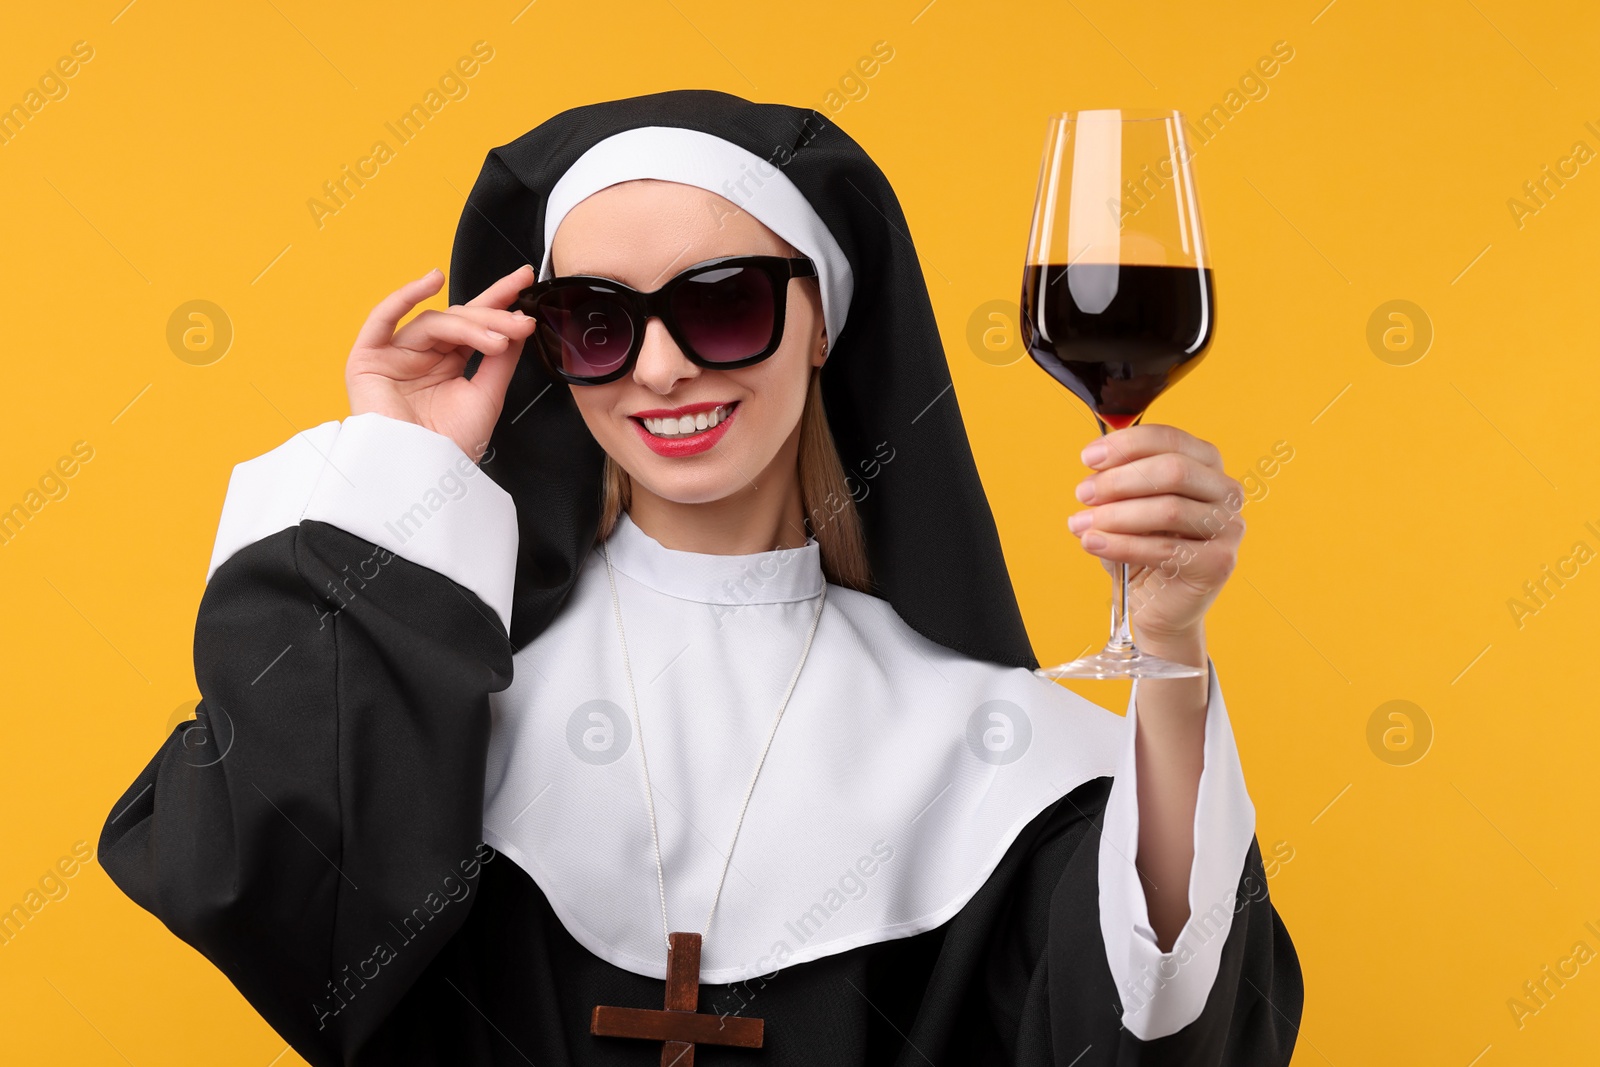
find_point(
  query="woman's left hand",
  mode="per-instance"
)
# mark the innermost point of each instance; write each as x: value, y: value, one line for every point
x: 1160, y: 502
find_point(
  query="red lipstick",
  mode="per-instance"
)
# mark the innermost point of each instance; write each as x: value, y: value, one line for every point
x: 678, y: 413
x: 686, y: 445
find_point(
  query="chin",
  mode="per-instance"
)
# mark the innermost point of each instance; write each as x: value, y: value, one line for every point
x: 699, y: 479
x: 688, y: 489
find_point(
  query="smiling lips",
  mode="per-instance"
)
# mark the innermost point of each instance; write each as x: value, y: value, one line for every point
x: 684, y: 431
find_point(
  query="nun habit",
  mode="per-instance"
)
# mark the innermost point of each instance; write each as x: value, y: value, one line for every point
x: 408, y: 821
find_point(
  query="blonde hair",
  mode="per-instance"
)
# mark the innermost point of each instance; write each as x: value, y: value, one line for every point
x: 830, y: 510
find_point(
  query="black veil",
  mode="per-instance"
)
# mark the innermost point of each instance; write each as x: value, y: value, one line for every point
x: 931, y: 538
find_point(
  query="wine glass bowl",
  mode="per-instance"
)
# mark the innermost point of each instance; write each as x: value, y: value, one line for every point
x: 1118, y: 302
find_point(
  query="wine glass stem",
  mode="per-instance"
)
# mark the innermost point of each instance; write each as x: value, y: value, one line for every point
x: 1121, y: 630
x: 1121, y: 634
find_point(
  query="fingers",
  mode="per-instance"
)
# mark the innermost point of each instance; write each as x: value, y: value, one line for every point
x: 458, y: 327
x: 1164, y: 514
x: 1206, y: 562
x: 493, y: 376
x: 516, y: 325
x: 384, y: 320
x: 1135, y: 442
x: 1165, y: 472
x: 504, y: 291
x: 381, y: 323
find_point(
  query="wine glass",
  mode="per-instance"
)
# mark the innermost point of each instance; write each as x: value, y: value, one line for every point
x: 1117, y: 300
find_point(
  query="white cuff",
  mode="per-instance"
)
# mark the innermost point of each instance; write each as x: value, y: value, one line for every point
x: 1162, y: 992
x: 394, y: 483
x: 269, y: 493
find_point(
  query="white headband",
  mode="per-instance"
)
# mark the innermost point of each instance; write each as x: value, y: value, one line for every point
x: 673, y: 153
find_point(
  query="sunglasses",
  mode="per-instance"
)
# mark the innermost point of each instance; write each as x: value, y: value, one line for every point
x: 722, y: 313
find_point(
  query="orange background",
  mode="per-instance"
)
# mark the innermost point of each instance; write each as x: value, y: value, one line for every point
x: 1377, y: 164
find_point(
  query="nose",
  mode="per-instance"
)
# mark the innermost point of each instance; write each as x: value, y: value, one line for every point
x: 662, y: 364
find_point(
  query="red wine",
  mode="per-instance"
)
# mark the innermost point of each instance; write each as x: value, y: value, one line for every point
x: 1117, y: 335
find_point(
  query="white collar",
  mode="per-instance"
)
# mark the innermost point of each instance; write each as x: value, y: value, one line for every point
x: 775, y: 576
x: 883, y: 805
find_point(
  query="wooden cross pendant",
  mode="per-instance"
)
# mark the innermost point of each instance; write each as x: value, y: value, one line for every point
x: 681, y: 1025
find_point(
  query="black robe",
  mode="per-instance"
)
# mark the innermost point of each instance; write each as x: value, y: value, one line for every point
x: 316, y: 833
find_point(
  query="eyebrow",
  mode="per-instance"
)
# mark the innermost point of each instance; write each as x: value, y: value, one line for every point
x: 592, y: 274
x: 680, y: 270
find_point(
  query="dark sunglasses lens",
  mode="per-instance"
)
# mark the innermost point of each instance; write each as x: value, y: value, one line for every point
x: 726, y: 314
x: 583, y: 330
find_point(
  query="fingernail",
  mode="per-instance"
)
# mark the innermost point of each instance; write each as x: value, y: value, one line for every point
x: 529, y: 266
x: 518, y: 314
x: 1094, y: 455
x: 428, y: 275
x: 1093, y: 542
x: 1077, y: 523
x: 497, y: 335
x: 1085, y: 490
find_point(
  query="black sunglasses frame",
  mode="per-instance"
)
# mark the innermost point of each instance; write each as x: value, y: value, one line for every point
x: 641, y: 307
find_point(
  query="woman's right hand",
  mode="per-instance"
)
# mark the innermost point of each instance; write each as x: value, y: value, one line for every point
x: 414, y: 374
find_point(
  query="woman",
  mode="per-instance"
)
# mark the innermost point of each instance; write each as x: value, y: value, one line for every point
x: 743, y: 503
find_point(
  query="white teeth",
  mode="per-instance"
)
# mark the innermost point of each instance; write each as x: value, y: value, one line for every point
x: 687, y: 424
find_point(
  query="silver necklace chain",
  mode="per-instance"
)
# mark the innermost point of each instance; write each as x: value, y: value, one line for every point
x: 655, y: 835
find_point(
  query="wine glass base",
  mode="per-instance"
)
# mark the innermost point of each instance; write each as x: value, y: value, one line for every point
x: 1127, y: 663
